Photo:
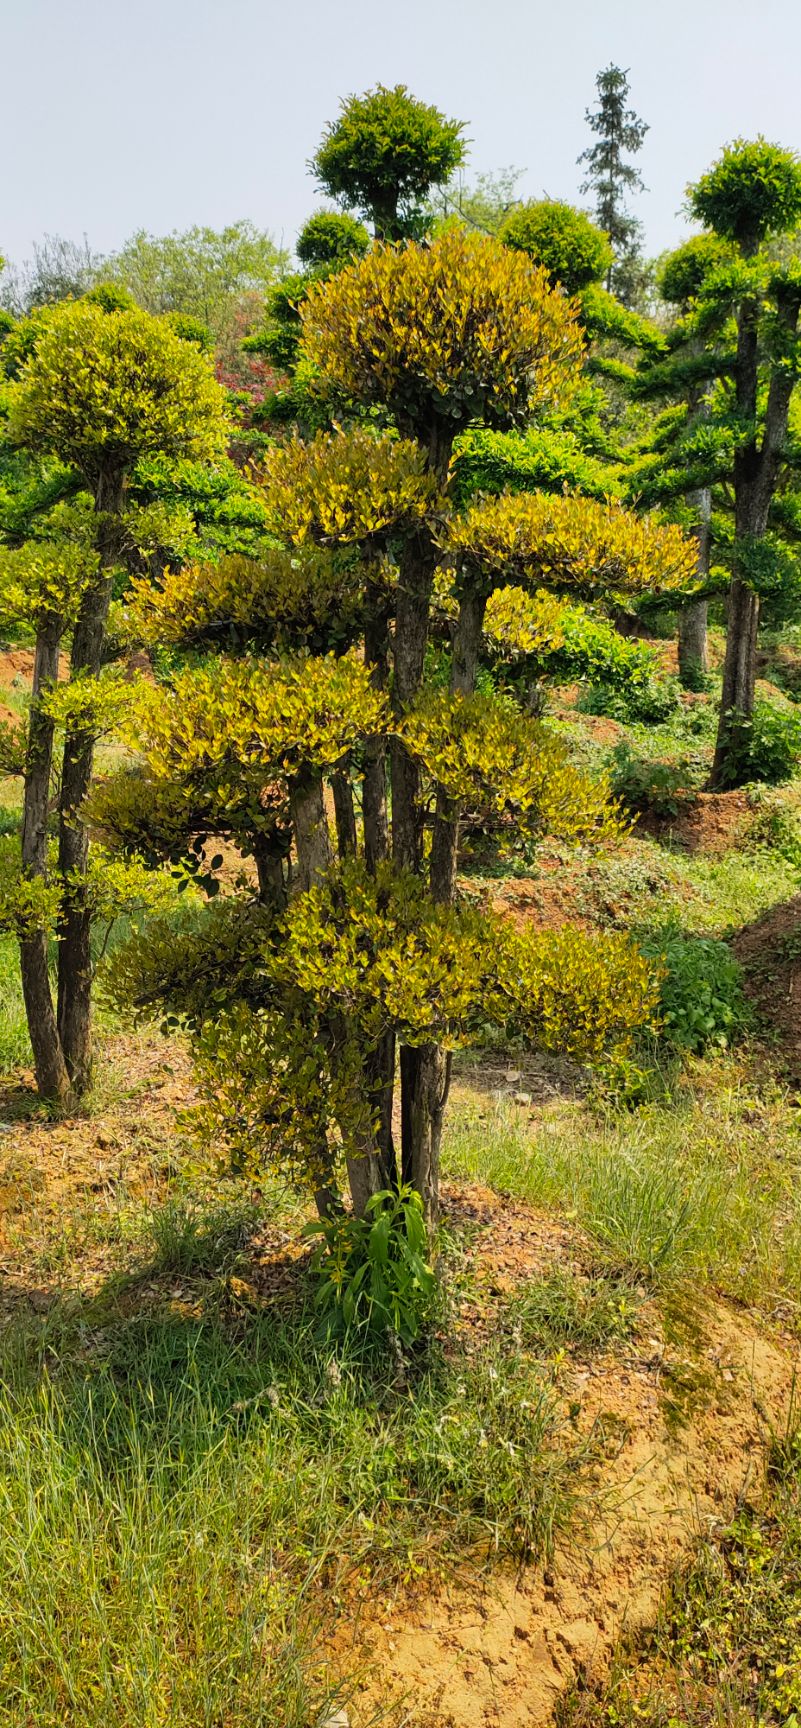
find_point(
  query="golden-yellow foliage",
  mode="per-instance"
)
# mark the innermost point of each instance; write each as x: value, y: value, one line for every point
x: 457, y: 331
x: 569, y: 543
x: 345, y: 488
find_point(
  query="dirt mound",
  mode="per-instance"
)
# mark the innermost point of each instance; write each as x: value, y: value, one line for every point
x: 504, y: 1648
x: 769, y: 950
x: 710, y: 822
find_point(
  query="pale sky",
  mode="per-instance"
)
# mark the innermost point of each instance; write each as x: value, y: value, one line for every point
x: 157, y: 114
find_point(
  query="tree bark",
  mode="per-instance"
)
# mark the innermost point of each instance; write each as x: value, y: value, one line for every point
x: 693, y: 654
x: 374, y: 786
x: 52, y: 1075
x: 344, y: 813
x: 270, y: 871
x: 312, y: 839
x: 75, y: 930
x: 756, y: 472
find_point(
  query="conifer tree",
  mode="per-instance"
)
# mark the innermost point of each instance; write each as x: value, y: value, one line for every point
x: 611, y: 177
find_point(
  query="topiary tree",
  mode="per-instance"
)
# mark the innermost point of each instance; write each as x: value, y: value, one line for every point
x: 735, y: 352
x: 329, y: 239
x: 367, y: 947
x: 99, y: 391
x: 383, y: 156
x: 564, y: 241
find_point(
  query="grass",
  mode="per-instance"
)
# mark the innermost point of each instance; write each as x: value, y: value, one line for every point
x: 182, y: 1500
x: 15, y: 1049
x: 727, y: 1647
x: 561, y: 1311
x: 701, y: 1188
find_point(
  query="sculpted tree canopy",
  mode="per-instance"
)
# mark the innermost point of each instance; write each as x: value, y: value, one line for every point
x: 384, y: 154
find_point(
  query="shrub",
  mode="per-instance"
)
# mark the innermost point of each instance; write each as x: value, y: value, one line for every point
x: 372, y: 1271
x: 701, y: 999
x: 565, y: 241
x: 657, y: 787
x: 767, y: 746
x: 651, y: 700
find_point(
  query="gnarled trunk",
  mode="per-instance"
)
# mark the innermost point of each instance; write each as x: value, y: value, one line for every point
x: 739, y: 678
x: 310, y: 824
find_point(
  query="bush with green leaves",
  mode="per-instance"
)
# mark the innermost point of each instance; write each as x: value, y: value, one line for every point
x: 645, y: 786
x: 373, y: 1272
x: 701, y: 995
x: 766, y: 746
x: 651, y: 701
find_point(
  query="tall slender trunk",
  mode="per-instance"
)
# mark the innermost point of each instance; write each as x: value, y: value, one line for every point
x: 52, y: 1075
x: 374, y: 786
x: 75, y: 930
x: 344, y: 813
x: 693, y: 654
x: 419, y: 1147
x: 739, y: 678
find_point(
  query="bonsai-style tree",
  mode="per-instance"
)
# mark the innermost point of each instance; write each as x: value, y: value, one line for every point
x: 611, y: 177
x: 301, y: 1005
x: 384, y: 155
x: 736, y: 350
x: 99, y: 391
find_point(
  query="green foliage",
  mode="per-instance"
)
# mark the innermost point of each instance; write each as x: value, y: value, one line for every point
x: 764, y: 746
x: 647, y: 699
x: 610, y: 176
x: 384, y: 154
x: 752, y: 191
x: 225, y: 507
x: 329, y: 239
x: 373, y: 1273
x: 496, y: 763
x: 644, y: 785
x: 569, y: 246
x: 682, y: 275
x: 592, y: 649
x: 202, y: 274
x: 541, y: 459
x: 280, y: 601
x: 460, y: 330
x: 701, y: 998
x: 101, y: 390
x: 42, y: 582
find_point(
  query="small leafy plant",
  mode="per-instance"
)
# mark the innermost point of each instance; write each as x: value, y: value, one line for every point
x: 373, y: 1272
x: 701, y: 998
x: 766, y: 747
x: 659, y: 788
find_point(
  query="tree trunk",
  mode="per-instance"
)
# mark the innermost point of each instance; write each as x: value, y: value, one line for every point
x: 374, y: 787
x: 52, y: 1076
x: 270, y: 871
x: 428, y: 1084
x: 75, y: 931
x: 693, y: 655
x: 739, y: 677
x: 344, y: 813
x: 312, y: 839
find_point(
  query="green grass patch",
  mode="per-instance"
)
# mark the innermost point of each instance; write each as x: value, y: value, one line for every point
x: 561, y: 1311
x: 181, y: 1501
x: 694, y: 1189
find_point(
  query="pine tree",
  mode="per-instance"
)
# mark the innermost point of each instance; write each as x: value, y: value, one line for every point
x: 610, y: 177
